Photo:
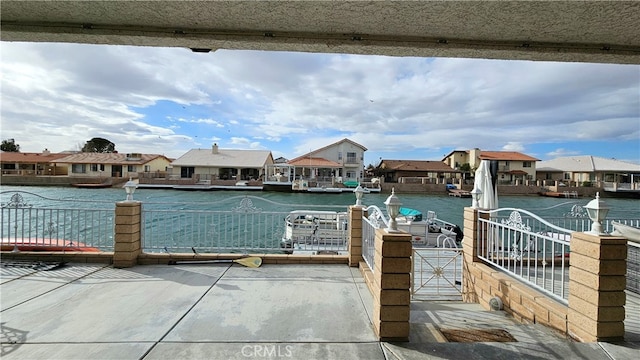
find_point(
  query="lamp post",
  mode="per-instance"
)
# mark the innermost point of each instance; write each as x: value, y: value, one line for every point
x: 359, y: 193
x: 130, y: 188
x: 393, y: 209
x: 476, y: 194
x: 597, y: 211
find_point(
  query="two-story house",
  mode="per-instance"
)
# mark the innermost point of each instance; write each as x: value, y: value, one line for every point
x: 340, y: 162
x: 512, y: 165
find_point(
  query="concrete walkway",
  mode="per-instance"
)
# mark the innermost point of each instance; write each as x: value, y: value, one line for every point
x: 218, y: 311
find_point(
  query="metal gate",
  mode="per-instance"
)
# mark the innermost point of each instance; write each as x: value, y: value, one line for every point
x: 437, y: 274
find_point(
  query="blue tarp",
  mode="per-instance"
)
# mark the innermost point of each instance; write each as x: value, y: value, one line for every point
x: 415, y: 214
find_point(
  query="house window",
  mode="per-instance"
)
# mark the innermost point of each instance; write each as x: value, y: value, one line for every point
x: 351, y: 174
x: 351, y: 158
x: 526, y: 164
x: 567, y: 176
x: 79, y: 168
x: 187, y: 171
x: 147, y: 168
x: 97, y: 167
x: 339, y: 155
x: 131, y: 168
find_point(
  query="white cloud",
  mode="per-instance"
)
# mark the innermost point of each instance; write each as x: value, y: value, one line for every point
x: 513, y: 146
x: 172, y: 99
x: 560, y: 152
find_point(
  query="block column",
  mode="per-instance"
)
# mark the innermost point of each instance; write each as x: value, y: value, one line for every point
x: 470, y: 248
x: 596, y: 290
x: 355, y: 235
x: 127, y: 234
x: 392, y: 285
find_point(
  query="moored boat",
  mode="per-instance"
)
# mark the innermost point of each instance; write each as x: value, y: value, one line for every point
x: 314, y: 230
x: 630, y: 232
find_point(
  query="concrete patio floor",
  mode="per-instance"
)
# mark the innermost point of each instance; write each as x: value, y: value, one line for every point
x: 222, y: 311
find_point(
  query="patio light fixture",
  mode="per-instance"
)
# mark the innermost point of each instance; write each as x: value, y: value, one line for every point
x: 359, y: 193
x: 393, y: 209
x: 476, y: 194
x: 597, y: 211
x: 130, y: 188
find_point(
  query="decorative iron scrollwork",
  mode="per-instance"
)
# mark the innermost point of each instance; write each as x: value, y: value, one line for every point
x: 576, y: 211
x: 246, y: 206
x: 16, y: 201
x: 515, y: 221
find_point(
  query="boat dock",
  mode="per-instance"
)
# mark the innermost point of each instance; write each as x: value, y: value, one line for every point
x: 459, y: 193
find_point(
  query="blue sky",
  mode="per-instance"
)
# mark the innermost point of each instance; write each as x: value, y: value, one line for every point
x: 170, y: 100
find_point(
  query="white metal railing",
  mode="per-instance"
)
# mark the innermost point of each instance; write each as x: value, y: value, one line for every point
x: 44, y: 226
x: 437, y: 273
x: 633, y: 267
x: 577, y: 220
x: 527, y: 247
x: 368, y: 241
x: 245, y: 228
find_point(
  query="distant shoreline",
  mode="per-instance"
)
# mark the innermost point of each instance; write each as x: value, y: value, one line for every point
x: 400, y: 188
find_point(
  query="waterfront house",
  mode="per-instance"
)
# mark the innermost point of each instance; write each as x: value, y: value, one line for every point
x: 342, y: 162
x: 31, y: 164
x: 513, y: 166
x: 432, y: 172
x: 588, y: 170
x: 115, y: 165
x: 221, y: 164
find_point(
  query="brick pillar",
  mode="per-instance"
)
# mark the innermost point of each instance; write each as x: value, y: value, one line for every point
x: 470, y: 230
x: 127, y: 234
x: 596, y: 288
x: 470, y: 246
x: 355, y: 235
x: 392, y: 285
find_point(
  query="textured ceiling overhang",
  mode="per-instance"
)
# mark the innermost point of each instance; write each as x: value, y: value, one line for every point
x: 585, y: 31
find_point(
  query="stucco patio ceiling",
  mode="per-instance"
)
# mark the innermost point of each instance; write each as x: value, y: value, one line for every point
x: 589, y: 31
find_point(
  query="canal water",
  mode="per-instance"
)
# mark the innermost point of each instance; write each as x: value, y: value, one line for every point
x: 447, y: 208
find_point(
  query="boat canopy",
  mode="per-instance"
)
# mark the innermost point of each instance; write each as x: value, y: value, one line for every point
x: 415, y: 214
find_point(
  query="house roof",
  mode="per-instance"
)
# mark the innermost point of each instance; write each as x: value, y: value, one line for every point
x: 497, y: 155
x: 415, y: 165
x: 314, y: 162
x: 455, y: 151
x: 505, y: 155
x: 232, y: 158
x: 108, y: 158
x: 326, y: 147
x: 586, y: 163
x: 20, y: 157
